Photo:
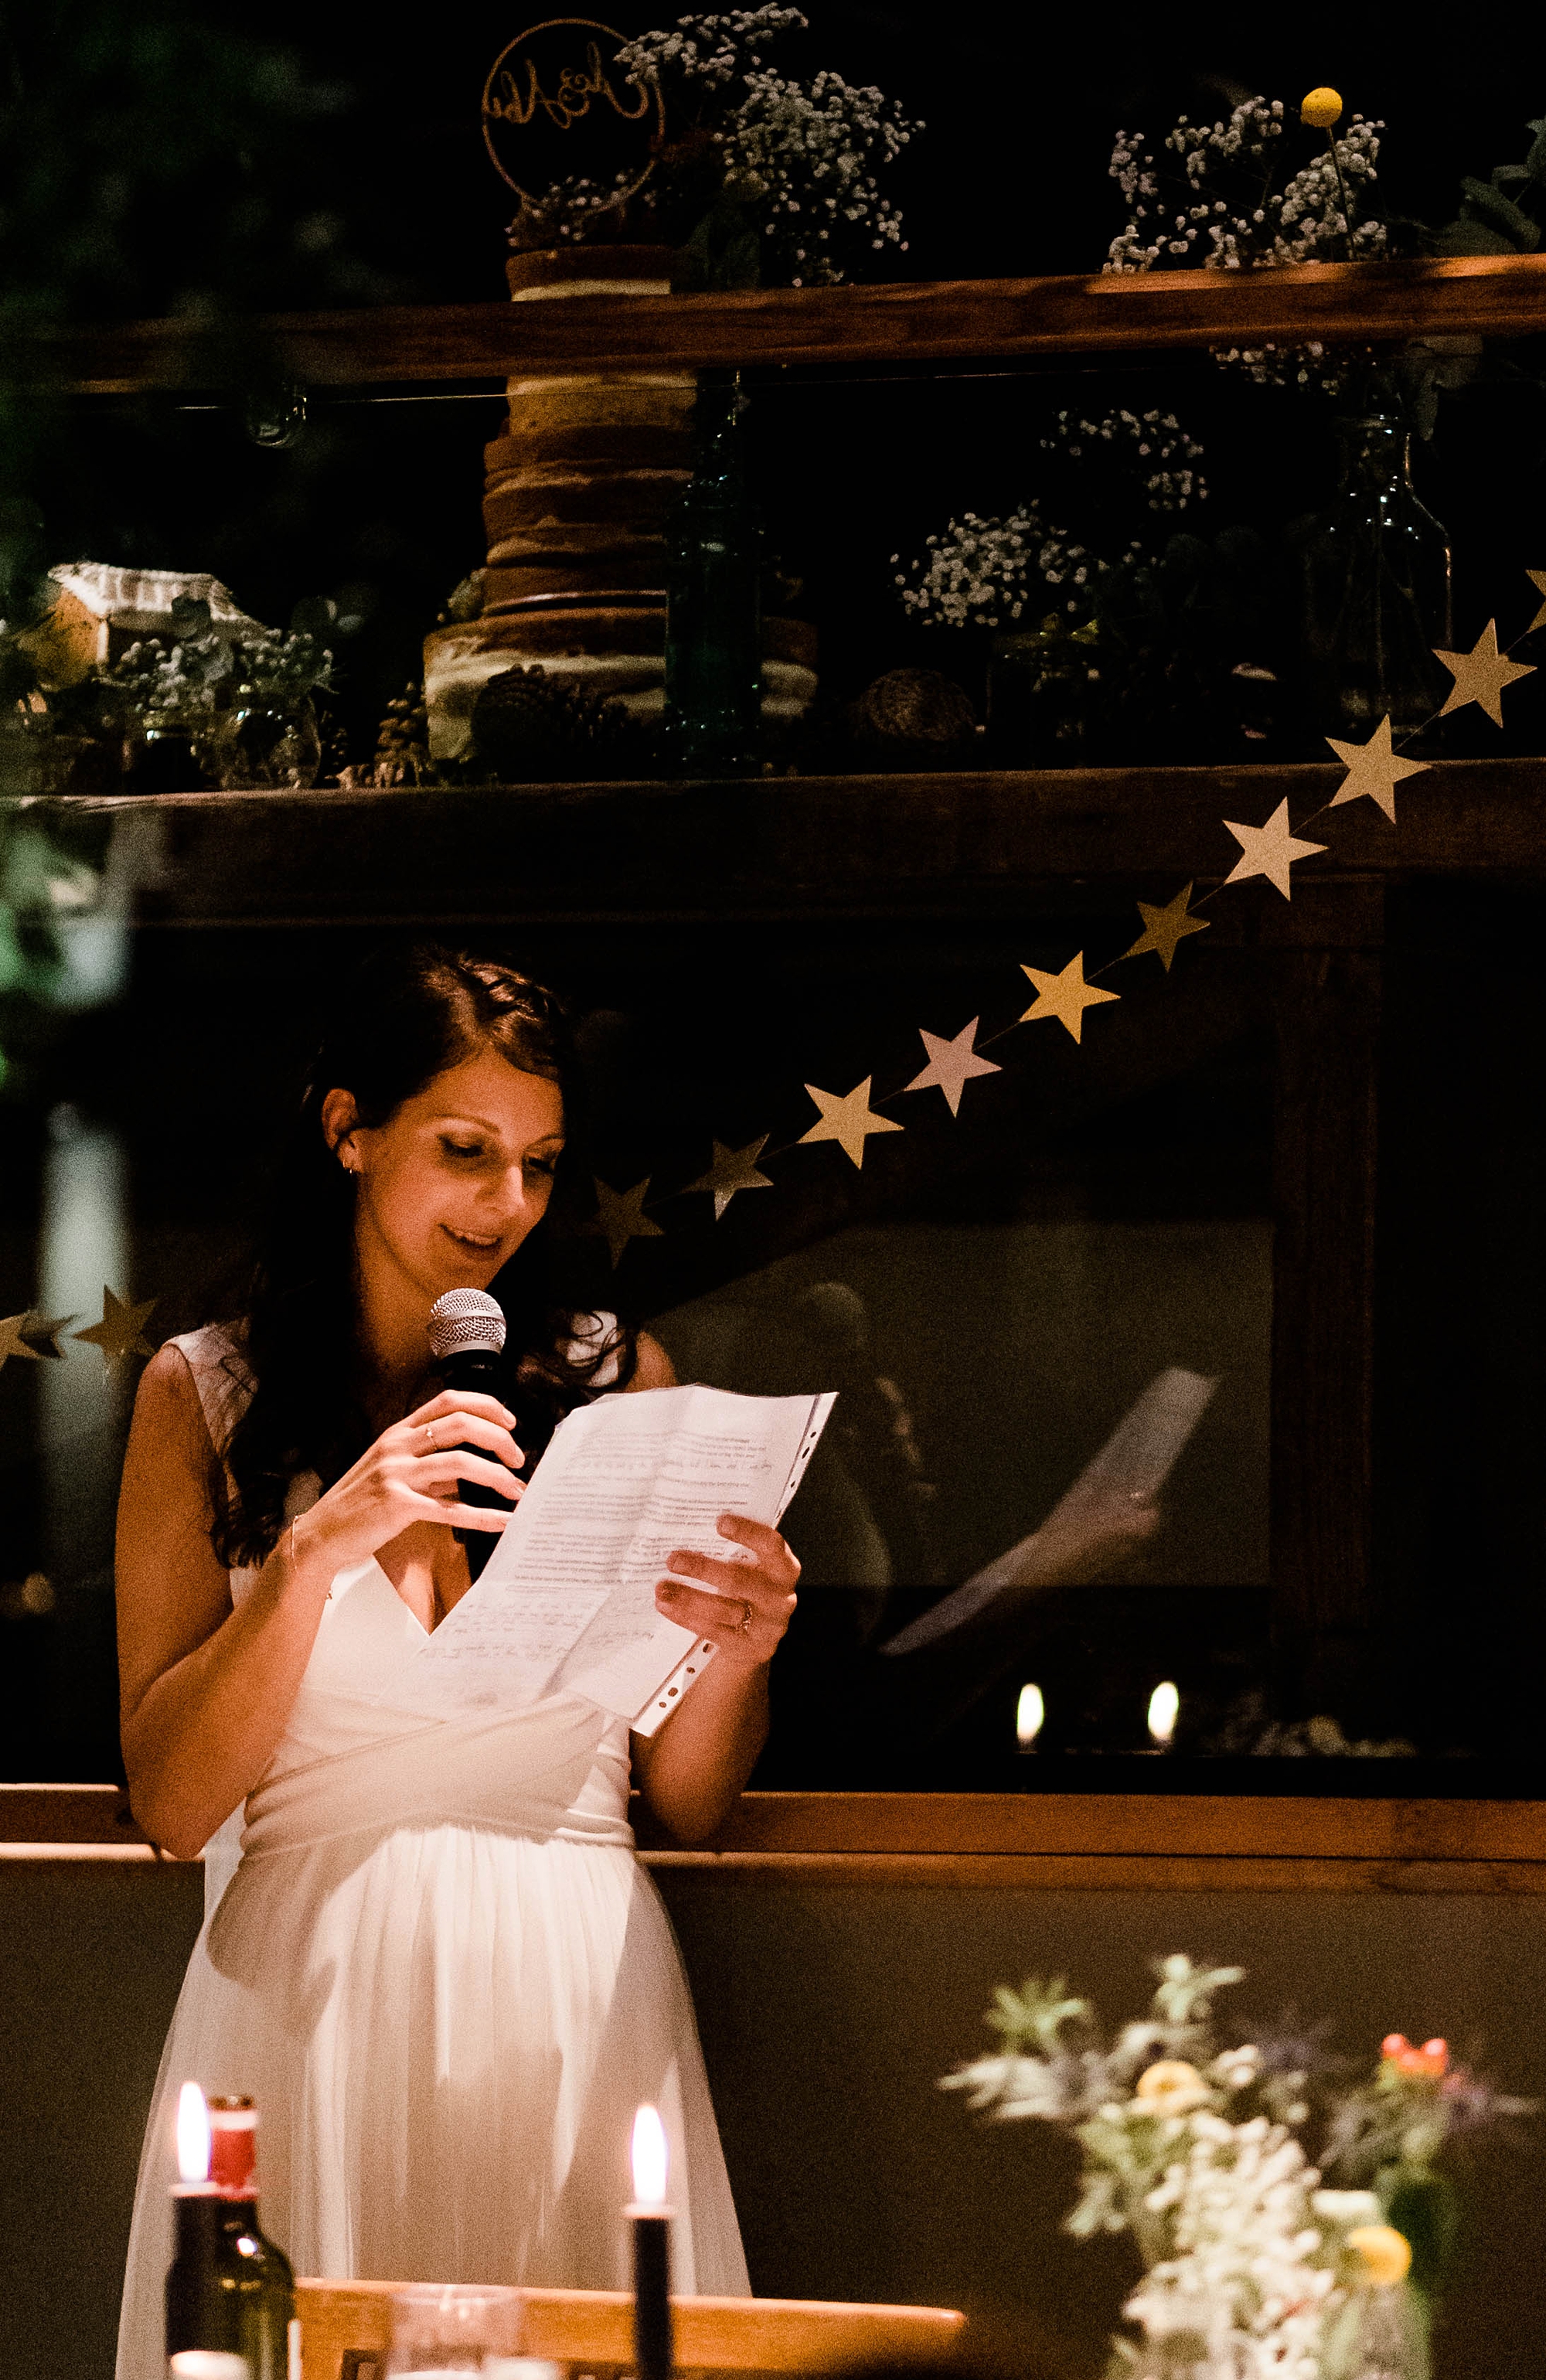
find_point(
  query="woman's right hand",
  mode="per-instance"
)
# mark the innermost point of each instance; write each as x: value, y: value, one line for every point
x: 411, y: 1474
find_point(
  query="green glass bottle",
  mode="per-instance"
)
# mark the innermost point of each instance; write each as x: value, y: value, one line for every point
x: 228, y: 2287
x: 713, y: 541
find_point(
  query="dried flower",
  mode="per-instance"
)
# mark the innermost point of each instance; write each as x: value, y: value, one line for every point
x: 1171, y: 2086
x: 1320, y: 107
x: 1385, y: 2254
x: 1432, y: 2058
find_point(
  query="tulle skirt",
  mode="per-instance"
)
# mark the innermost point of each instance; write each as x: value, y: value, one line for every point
x: 447, y: 2030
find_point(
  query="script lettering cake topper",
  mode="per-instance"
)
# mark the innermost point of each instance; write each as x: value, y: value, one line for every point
x: 556, y: 79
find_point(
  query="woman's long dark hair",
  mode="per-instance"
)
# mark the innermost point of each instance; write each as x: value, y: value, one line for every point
x: 408, y: 1016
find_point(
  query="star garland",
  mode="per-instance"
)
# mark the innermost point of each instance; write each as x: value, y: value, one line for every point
x: 1064, y: 995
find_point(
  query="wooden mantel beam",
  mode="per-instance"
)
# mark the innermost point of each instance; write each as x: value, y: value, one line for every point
x: 891, y: 322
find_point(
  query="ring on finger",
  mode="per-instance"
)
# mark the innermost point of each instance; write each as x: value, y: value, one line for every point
x: 430, y: 1433
x: 745, y: 1628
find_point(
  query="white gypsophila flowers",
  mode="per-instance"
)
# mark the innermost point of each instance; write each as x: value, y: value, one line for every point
x: 1220, y: 211
x: 992, y: 573
x: 804, y: 160
x: 714, y: 51
x: 1242, y: 2275
x: 1157, y: 442
x: 976, y: 572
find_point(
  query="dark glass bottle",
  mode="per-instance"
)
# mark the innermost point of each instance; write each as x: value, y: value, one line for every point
x: 714, y: 666
x: 1377, y: 590
x: 227, y: 2286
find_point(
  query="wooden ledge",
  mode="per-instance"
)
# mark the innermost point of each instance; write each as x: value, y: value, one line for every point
x: 1119, y: 1842
x: 960, y: 842
x: 896, y: 323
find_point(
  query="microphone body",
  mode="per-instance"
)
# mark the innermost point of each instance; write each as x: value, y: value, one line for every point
x: 466, y: 1334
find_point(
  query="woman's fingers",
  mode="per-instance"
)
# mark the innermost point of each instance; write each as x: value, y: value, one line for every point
x: 736, y: 1623
x: 461, y: 1400
x: 462, y: 1427
x: 455, y: 1463
x: 461, y: 1516
x: 764, y: 1543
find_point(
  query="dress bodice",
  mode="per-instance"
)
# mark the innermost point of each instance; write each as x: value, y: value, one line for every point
x: 348, y: 1761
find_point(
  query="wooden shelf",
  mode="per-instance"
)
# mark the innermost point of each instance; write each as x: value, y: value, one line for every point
x: 1070, y: 1841
x: 893, y: 322
x: 939, y: 845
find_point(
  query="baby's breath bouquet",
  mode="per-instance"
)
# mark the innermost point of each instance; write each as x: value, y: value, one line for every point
x: 758, y: 175
x: 1059, y: 606
x: 1260, y: 2261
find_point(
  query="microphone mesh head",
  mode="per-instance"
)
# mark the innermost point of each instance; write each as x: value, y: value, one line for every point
x: 466, y: 1318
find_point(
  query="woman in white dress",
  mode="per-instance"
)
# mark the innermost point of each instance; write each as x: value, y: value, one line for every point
x: 437, y: 1966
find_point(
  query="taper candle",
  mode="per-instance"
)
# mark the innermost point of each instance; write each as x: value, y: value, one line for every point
x: 651, y: 2218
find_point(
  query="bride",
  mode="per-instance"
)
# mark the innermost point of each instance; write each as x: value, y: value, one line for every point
x: 436, y: 1966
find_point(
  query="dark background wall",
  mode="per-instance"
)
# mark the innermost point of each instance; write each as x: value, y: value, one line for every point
x: 826, y: 2013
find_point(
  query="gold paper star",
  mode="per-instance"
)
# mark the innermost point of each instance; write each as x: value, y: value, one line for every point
x: 1373, y: 768
x: 1165, y: 928
x: 952, y: 1064
x: 733, y: 1170
x: 847, y: 1121
x: 1064, y: 996
x: 620, y: 1217
x: 1481, y: 674
x: 42, y: 1335
x: 120, y: 1331
x: 11, y: 1341
x: 1269, y: 851
x: 1538, y: 580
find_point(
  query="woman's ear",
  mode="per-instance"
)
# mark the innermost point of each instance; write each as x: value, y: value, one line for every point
x: 340, y: 1122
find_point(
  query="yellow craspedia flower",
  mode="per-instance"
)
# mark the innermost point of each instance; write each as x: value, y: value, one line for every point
x: 1320, y: 107
x: 1385, y: 2255
x: 1170, y: 2086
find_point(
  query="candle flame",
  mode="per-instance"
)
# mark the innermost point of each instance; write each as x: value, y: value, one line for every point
x: 648, y: 2158
x: 1029, y: 1712
x: 193, y: 2135
x: 1164, y: 1707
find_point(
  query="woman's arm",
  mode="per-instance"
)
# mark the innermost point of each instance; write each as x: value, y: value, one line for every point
x: 692, y: 1772
x: 205, y: 1690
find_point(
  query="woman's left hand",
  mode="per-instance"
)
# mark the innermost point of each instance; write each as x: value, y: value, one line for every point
x: 753, y: 1601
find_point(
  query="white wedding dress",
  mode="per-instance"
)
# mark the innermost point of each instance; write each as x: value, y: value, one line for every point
x: 446, y: 1979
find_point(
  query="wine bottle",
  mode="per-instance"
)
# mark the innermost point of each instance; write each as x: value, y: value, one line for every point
x: 230, y: 2289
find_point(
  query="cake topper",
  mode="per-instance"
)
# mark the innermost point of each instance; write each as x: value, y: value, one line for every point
x: 560, y: 80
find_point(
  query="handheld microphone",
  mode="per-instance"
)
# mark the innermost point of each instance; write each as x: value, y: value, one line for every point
x: 467, y: 1336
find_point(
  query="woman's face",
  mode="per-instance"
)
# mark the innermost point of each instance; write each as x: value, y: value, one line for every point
x: 450, y: 1186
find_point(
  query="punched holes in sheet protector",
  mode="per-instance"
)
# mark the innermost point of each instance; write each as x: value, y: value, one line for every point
x: 665, y: 1700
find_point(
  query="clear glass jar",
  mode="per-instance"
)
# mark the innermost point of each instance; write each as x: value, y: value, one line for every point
x: 262, y: 744
x: 1375, y: 583
x: 1041, y: 686
x: 445, y: 2332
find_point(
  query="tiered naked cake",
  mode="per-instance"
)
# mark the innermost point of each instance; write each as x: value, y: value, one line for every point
x: 574, y: 504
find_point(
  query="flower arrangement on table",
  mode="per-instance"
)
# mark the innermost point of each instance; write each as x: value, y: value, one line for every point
x: 756, y: 176
x: 1259, y: 2259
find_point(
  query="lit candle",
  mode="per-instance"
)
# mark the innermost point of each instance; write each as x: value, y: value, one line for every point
x: 1164, y: 1707
x: 1029, y: 1713
x: 193, y: 2137
x: 651, y: 2218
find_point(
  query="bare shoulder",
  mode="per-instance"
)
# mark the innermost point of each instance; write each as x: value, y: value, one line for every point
x: 654, y: 1368
x: 173, y: 1592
